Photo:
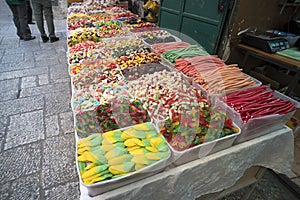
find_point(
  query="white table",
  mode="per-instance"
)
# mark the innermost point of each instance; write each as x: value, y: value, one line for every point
x: 211, y: 174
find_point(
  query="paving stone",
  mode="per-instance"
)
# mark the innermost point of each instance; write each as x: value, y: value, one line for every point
x: 44, y: 89
x: 53, y: 61
x: 28, y: 82
x: 16, y: 106
x: 3, y: 124
x: 11, y: 58
x: 63, y: 80
x: 4, y: 191
x: 58, y: 102
x: 67, y: 122
x: 23, y: 73
x: 25, y: 128
x: 59, y: 161
x: 43, y: 79
x: 16, y: 66
x: 20, y: 161
x: 52, y: 127
x: 26, y: 188
x: 9, y: 89
x: 29, y: 44
x: 42, y: 55
x: 10, y: 40
x: 59, y: 71
x: 272, y: 189
x: 28, y: 56
x: 63, y: 192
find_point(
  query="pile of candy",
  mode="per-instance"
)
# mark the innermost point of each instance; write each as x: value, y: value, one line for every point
x: 123, y: 91
x: 155, y: 83
x: 224, y: 79
x: 263, y: 103
x: 92, y: 65
x: 107, y: 78
x: 190, y: 128
x: 133, y: 73
x: 137, y: 60
x: 163, y: 47
x: 120, y: 112
x: 120, y: 152
x: 190, y: 51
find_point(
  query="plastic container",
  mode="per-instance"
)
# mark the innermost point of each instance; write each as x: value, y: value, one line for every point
x: 259, y: 126
x: 202, y: 150
x: 163, y: 40
x: 111, y: 184
x: 89, y: 121
x: 212, y: 98
x: 133, y: 73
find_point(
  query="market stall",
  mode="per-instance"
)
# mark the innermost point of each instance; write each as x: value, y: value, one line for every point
x: 151, y: 111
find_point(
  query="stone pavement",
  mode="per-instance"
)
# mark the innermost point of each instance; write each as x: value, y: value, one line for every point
x: 37, y: 147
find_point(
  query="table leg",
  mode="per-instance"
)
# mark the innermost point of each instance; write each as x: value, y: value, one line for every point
x: 293, y: 84
x: 246, y: 69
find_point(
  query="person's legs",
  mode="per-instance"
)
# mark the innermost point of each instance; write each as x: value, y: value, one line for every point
x: 14, y: 10
x: 24, y: 28
x: 49, y: 17
x: 38, y: 13
x: 29, y: 12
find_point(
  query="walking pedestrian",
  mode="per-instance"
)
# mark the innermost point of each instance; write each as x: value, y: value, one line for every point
x: 29, y: 12
x: 18, y: 8
x: 41, y: 8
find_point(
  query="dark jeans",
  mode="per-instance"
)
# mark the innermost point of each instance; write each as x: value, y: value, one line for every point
x: 41, y: 8
x: 20, y: 20
x: 29, y: 11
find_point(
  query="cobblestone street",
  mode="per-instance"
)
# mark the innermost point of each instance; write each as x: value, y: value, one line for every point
x: 37, y: 151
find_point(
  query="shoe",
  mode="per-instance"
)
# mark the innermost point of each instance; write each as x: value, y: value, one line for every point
x: 21, y: 38
x: 29, y: 38
x: 45, y: 38
x: 54, y: 39
x: 30, y: 23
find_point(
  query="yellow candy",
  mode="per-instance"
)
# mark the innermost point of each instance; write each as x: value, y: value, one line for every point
x: 139, y: 166
x: 120, y: 159
x: 152, y: 149
x: 156, y: 141
x: 130, y: 149
x: 139, y: 151
x: 133, y: 142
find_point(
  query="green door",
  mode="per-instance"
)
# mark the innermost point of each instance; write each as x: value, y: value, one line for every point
x: 202, y: 20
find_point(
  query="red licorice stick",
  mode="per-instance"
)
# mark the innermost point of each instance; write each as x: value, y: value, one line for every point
x: 258, y: 102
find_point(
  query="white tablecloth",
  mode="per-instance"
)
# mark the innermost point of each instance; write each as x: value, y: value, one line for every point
x: 210, y: 174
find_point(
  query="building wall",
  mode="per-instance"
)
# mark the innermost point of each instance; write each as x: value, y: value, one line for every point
x: 262, y: 15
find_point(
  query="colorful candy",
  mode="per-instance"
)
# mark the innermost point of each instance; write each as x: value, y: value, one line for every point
x: 117, y: 153
x: 156, y: 83
x: 92, y: 65
x: 137, y: 60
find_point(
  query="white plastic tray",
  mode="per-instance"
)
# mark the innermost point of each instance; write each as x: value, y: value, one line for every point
x: 202, y: 150
x: 212, y: 98
x: 259, y: 126
x: 107, y: 185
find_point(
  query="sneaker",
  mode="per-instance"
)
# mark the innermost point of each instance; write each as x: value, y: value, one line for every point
x: 29, y: 38
x: 45, y: 38
x: 54, y: 39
